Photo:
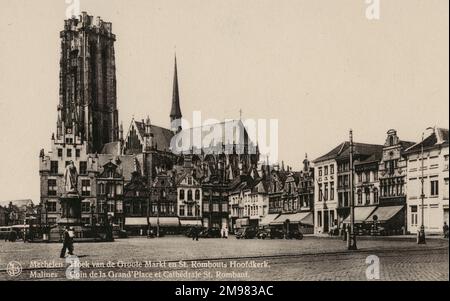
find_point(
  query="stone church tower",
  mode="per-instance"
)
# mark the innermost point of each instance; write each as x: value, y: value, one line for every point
x: 87, y: 96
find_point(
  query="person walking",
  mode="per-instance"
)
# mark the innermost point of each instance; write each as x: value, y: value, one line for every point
x: 225, y: 232
x: 445, y: 228
x: 67, y: 242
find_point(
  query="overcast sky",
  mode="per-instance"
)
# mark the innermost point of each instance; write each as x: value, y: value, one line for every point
x: 320, y: 67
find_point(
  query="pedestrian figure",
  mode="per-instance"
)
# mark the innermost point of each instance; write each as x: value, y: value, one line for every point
x: 225, y: 232
x: 67, y: 242
x: 445, y: 228
x: 196, y: 233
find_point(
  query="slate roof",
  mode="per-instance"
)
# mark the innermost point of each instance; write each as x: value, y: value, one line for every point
x: 127, y: 163
x: 438, y: 137
x: 111, y: 148
x: 161, y: 136
x: 342, y: 151
x: 216, y: 133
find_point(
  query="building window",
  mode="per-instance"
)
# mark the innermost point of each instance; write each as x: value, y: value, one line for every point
x: 319, y: 218
x: 85, y: 187
x: 325, y: 198
x: 320, y: 171
x: 189, y: 195
x: 189, y: 210
x: 52, y: 188
x: 206, y: 207
x: 331, y: 169
x: 77, y: 153
x: 320, y: 193
x: 118, y: 189
x: 215, y: 207
x: 181, y: 210
x: 359, y: 197
x: 85, y: 207
x: 69, y: 152
x: 225, y: 207
x: 83, y: 167
x: 51, y: 206
x: 86, y: 220
x: 60, y: 152
x: 367, y: 176
x: 332, y: 190
x: 181, y: 194
x: 446, y: 189
x: 325, y: 170
x: 434, y: 188
x: 367, y: 193
x: 197, y: 210
x: 375, y: 196
x: 101, y: 189
x: 197, y: 194
x: 110, y: 189
x: 54, y: 167
x: 189, y: 180
x: 414, y: 215
x: 111, y: 207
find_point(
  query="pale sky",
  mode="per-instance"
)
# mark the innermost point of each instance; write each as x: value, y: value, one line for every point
x: 319, y: 66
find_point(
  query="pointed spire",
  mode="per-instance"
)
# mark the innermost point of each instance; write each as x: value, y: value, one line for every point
x: 175, y: 112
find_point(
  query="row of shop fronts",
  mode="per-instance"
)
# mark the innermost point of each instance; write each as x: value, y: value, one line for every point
x: 390, y: 184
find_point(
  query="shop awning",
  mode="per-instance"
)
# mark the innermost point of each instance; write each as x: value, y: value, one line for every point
x: 266, y: 220
x: 308, y: 219
x: 165, y: 221
x: 135, y: 221
x: 142, y: 221
x: 294, y: 218
x: 361, y: 214
x: 190, y: 222
x: 384, y: 214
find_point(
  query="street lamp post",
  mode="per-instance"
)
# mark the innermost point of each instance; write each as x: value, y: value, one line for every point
x: 421, y: 233
x: 351, y: 237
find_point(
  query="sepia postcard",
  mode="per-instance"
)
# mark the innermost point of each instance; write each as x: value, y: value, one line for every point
x: 224, y: 141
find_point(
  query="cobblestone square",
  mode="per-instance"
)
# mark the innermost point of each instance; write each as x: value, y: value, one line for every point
x: 180, y: 258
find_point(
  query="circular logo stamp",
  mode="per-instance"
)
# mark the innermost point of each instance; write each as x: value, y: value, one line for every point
x: 14, y: 269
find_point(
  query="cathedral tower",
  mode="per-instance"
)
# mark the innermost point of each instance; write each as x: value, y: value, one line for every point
x: 175, y: 112
x: 87, y: 95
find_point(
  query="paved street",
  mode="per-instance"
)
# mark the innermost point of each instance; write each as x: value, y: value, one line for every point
x: 218, y: 259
